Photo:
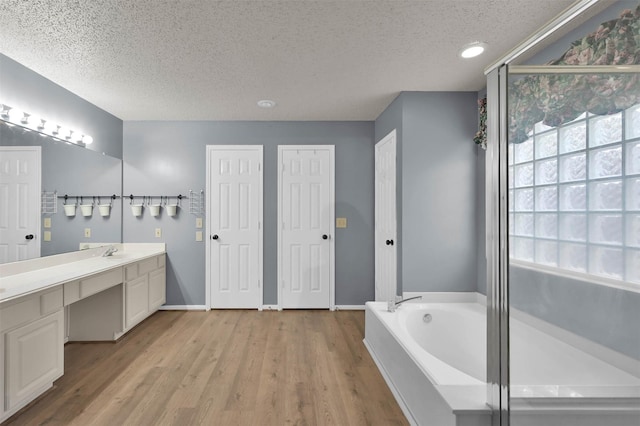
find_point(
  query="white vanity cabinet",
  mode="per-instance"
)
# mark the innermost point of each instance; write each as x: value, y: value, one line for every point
x: 145, y: 289
x: 31, y: 347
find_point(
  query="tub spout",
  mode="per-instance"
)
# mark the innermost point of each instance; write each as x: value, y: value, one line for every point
x: 393, y: 304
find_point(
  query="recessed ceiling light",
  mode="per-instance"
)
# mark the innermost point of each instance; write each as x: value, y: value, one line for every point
x: 266, y: 103
x: 472, y: 50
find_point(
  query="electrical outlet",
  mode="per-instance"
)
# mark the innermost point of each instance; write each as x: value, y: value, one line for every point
x: 87, y: 232
x: 198, y: 235
x: 47, y: 235
x: 199, y: 222
x: 158, y: 232
x: 47, y: 222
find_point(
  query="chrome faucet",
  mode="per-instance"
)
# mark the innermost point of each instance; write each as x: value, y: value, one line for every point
x: 393, y: 304
x: 109, y: 251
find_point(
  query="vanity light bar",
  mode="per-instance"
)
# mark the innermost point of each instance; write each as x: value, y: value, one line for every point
x: 15, y: 116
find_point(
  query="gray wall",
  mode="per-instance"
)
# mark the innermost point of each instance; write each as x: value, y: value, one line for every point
x: 436, y: 188
x: 168, y: 158
x: 28, y: 90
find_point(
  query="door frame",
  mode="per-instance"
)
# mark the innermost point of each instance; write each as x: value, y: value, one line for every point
x: 208, y: 225
x: 390, y: 137
x: 37, y: 194
x: 332, y: 241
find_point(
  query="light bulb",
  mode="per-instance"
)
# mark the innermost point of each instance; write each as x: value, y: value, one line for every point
x: 472, y: 50
x: 63, y: 132
x: 34, y: 122
x: 4, y: 111
x: 87, y: 140
x: 16, y: 115
x: 77, y: 136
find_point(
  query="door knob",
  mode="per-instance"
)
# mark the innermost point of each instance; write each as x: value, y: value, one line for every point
x: 214, y: 237
x: 29, y: 237
x: 325, y: 236
x: 389, y: 242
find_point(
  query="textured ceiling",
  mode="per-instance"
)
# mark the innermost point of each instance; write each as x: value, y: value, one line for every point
x: 212, y: 60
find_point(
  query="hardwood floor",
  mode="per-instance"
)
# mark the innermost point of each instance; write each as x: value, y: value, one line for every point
x: 230, y: 367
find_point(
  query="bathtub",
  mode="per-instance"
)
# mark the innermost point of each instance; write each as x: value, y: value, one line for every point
x: 436, y: 368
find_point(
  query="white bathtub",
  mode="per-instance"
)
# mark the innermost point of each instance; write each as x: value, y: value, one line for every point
x: 437, y: 370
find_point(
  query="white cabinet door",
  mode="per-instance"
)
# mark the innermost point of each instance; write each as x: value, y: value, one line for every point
x: 385, y: 209
x: 235, y: 226
x: 19, y: 203
x: 157, y: 289
x: 34, y: 356
x: 136, y: 300
x: 305, y: 215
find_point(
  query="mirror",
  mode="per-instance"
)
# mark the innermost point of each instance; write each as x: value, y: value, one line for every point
x: 89, y: 177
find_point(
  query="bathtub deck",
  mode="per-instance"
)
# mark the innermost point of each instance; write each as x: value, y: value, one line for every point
x: 223, y: 368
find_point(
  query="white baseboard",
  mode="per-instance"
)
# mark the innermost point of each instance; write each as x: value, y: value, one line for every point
x: 182, y: 308
x: 270, y: 308
x: 349, y: 307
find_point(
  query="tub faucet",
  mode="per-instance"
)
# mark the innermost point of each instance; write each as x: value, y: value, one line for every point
x: 109, y: 251
x: 393, y: 304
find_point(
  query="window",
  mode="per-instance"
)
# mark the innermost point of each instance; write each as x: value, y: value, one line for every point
x: 574, y: 196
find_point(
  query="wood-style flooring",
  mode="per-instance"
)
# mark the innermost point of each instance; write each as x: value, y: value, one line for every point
x: 231, y: 367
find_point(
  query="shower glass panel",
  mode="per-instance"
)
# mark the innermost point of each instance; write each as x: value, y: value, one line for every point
x: 573, y: 178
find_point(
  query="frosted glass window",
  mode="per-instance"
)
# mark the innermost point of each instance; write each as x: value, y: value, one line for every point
x: 523, y: 200
x: 546, y: 225
x: 573, y: 167
x: 633, y: 122
x: 605, y: 229
x: 573, y: 197
x: 511, y: 177
x: 547, y: 252
x: 546, y: 145
x: 512, y: 201
x: 633, y: 194
x: 573, y: 257
x: 606, y: 195
x: 605, y: 162
x: 523, y: 175
x: 605, y: 129
x: 524, y: 225
x: 573, y: 227
x: 547, y: 198
x: 633, y: 158
x: 546, y: 172
x: 573, y: 138
x: 510, y: 150
x: 633, y: 266
x: 523, y: 248
x: 523, y: 151
x: 540, y: 127
x: 512, y: 224
x: 606, y: 261
x: 633, y: 230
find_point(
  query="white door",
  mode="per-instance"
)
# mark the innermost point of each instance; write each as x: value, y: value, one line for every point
x: 20, y: 184
x: 234, y: 226
x: 306, y: 227
x: 385, y: 222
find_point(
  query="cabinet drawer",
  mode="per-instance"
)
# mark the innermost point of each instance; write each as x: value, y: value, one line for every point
x: 97, y: 283
x: 131, y: 272
x: 147, y: 265
x: 30, y: 308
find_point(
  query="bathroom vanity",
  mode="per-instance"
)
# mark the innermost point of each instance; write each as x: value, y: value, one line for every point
x: 79, y: 296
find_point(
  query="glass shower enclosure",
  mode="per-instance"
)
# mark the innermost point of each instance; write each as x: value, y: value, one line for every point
x: 564, y: 307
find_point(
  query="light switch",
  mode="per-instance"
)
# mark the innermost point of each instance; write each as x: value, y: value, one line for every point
x: 47, y: 235
x: 199, y: 222
x: 341, y: 222
x: 47, y: 222
x: 198, y: 235
x: 158, y: 232
x: 87, y: 232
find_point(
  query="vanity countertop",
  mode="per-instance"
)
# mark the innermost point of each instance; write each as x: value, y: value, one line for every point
x: 30, y: 276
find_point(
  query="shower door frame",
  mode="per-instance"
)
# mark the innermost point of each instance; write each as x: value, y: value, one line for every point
x: 497, y: 222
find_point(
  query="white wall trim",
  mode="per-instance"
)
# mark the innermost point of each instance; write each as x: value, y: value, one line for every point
x: 183, y: 308
x: 270, y: 308
x: 349, y: 308
x: 442, y: 297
